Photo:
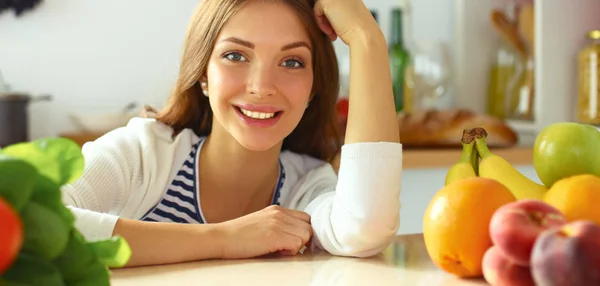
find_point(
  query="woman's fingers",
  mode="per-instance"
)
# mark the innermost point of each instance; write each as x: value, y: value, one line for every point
x: 290, y: 244
x: 323, y: 22
x: 297, y: 228
x: 326, y: 27
x: 291, y: 229
x: 300, y: 229
x: 298, y: 215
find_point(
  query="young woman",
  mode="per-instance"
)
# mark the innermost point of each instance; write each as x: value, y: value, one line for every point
x: 236, y: 165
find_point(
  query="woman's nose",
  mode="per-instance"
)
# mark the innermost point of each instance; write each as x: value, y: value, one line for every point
x: 261, y: 81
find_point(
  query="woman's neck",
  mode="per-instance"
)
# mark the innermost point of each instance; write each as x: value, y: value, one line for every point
x: 230, y: 166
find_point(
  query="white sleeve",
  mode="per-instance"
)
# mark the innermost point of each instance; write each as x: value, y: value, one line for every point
x: 359, y: 213
x: 111, y: 163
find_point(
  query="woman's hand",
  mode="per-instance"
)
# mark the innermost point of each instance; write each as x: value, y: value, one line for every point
x: 371, y: 112
x: 270, y: 230
x: 347, y: 19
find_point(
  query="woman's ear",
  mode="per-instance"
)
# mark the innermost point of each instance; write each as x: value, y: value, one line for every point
x: 310, y: 98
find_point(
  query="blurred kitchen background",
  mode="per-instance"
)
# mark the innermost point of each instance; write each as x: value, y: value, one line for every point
x: 95, y: 58
x: 512, y: 66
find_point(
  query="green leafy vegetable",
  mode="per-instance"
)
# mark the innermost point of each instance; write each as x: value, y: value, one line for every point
x: 46, y: 234
x: 33, y: 270
x: 95, y: 275
x: 59, y: 159
x: 113, y: 252
x: 17, y: 181
x: 48, y: 194
x: 77, y: 257
x: 54, y: 252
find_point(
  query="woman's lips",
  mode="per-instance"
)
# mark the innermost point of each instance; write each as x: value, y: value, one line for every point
x: 258, y: 116
x: 263, y: 108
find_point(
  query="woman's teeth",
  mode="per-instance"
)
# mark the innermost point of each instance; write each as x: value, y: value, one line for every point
x: 257, y: 115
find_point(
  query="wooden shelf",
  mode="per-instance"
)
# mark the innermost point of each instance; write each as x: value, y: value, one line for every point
x: 431, y: 159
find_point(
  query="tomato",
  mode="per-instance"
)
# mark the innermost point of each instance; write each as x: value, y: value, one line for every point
x: 11, y: 239
x: 342, y: 107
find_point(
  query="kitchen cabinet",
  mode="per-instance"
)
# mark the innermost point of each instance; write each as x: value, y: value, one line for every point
x: 560, y: 32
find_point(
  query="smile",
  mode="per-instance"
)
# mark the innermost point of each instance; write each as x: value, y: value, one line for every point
x: 258, y: 116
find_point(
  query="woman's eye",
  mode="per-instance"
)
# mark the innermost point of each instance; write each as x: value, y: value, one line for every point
x: 292, y: 63
x: 235, y: 56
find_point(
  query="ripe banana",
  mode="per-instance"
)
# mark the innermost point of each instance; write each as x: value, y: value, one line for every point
x: 466, y: 166
x: 495, y: 167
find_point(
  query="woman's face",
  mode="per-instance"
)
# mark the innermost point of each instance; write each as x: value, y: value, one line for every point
x: 260, y: 75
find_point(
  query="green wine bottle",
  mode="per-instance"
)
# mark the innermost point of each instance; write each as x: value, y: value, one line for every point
x: 375, y: 15
x: 399, y: 58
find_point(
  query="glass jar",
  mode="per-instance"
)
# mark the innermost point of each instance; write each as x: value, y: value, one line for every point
x: 520, y: 93
x: 507, y: 63
x: 428, y: 78
x: 588, y: 105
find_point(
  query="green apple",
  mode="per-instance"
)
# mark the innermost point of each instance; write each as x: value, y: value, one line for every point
x: 565, y: 149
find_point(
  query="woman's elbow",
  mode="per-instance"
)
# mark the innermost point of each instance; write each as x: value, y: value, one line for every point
x: 365, y: 240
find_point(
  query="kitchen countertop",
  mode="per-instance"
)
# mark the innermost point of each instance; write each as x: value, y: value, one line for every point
x: 441, y: 158
x: 405, y: 262
x: 445, y: 158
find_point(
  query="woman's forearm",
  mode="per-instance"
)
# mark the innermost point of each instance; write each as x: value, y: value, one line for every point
x: 163, y: 243
x: 372, y: 115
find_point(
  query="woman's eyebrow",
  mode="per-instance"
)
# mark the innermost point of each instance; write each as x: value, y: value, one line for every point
x: 238, y: 41
x: 295, y: 45
x: 251, y: 45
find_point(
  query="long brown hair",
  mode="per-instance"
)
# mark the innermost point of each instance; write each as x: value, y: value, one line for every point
x: 317, y: 134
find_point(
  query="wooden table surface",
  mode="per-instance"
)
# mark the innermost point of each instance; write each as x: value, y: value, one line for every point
x: 405, y: 262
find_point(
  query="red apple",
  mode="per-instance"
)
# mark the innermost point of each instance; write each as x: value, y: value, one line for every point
x: 498, y: 270
x: 514, y: 227
x: 567, y: 256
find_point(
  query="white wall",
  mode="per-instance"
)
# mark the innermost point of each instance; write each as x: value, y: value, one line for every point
x: 92, y: 55
x: 100, y: 55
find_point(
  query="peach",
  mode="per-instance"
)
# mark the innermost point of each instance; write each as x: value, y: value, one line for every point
x: 499, y: 270
x: 514, y: 227
x: 567, y: 256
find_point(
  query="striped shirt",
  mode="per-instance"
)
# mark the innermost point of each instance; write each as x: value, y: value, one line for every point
x: 181, y: 202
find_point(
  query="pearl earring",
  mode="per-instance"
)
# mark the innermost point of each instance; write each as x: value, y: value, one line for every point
x: 204, y: 88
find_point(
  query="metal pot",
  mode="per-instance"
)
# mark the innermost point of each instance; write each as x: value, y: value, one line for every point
x: 14, y: 116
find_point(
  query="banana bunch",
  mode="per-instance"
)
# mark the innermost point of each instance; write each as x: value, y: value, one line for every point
x: 477, y: 160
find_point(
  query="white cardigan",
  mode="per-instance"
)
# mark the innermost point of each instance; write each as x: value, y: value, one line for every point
x: 129, y: 169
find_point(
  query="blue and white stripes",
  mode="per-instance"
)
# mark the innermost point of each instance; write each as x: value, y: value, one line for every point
x: 180, y: 204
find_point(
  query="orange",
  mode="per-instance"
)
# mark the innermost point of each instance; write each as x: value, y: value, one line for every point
x: 577, y: 197
x: 456, y: 224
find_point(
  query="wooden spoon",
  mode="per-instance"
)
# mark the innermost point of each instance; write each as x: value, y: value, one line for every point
x: 508, y: 30
x: 527, y: 32
x: 527, y: 26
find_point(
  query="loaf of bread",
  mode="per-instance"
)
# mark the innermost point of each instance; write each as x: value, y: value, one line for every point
x: 444, y: 128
